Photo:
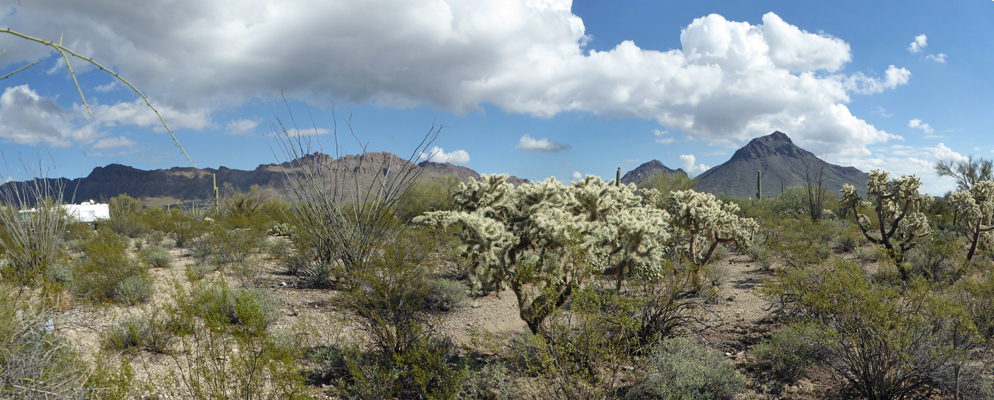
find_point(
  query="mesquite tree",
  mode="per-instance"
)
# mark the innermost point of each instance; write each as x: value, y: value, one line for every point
x: 896, y: 203
x: 545, y: 239
x: 975, y: 213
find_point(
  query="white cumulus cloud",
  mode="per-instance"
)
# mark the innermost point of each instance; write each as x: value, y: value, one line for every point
x: 688, y: 161
x: 437, y: 154
x: 917, y: 123
x: 920, y: 43
x: 28, y: 118
x: 576, y: 175
x: 241, y: 126
x: 939, y: 58
x: 662, y: 136
x: 530, y: 144
x: 113, y: 142
x: 727, y: 83
x: 863, y: 84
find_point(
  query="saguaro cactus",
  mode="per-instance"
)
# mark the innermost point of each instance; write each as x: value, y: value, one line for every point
x: 759, y: 185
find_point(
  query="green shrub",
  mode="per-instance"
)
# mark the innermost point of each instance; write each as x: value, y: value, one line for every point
x: 885, y: 341
x: 104, y: 272
x: 428, y: 195
x: 680, y: 369
x: 126, y: 217
x: 156, y: 257
x: 790, y: 351
x: 251, y: 309
x: 494, y: 381
x: 444, y: 295
x: 939, y: 259
x: 33, y: 362
x: 215, y: 365
x: 221, y: 246
x: 144, y: 333
x: 182, y: 227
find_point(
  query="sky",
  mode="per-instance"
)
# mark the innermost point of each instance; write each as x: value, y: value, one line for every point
x: 533, y: 88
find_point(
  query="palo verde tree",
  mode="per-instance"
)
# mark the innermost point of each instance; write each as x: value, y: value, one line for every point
x: 966, y: 173
x: 896, y: 204
x: 545, y: 239
x: 974, y: 209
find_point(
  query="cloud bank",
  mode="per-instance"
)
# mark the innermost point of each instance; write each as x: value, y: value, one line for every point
x: 728, y: 83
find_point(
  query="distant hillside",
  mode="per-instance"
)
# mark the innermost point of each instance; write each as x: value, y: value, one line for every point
x: 647, y: 170
x: 178, y: 184
x: 779, y: 160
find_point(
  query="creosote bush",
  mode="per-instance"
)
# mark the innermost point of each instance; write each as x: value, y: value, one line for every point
x: 884, y: 342
x: 156, y: 256
x: 144, y: 333
x: 104, y: 272
x: 790, y: 351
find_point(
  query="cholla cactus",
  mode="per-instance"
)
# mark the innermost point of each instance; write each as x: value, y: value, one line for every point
x: 703, y: 222
x: 975, y: 211
x: 545, y: 239
x: 896, y: 203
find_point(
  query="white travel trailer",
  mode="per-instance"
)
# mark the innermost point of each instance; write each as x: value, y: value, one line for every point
x: 88, y: 212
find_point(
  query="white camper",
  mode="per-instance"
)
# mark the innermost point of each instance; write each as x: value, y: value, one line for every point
x: 88, y: 211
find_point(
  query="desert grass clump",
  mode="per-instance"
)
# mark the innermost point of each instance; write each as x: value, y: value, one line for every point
x: 104, y: 272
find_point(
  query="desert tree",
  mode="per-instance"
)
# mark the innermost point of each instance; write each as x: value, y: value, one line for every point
x: 974, y: 209
x: 896, y: 204
x: 966, y: 173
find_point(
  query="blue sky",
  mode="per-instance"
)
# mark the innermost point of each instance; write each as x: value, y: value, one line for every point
x: 534, y: 88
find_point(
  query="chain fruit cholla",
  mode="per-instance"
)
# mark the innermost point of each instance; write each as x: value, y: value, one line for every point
x: 544, y: 239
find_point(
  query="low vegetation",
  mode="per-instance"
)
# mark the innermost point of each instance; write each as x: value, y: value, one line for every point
x: 620, y: 287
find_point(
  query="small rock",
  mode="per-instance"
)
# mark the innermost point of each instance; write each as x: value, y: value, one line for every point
x: 476, y: 304
x: 282, y: 284
x: 731, y: 298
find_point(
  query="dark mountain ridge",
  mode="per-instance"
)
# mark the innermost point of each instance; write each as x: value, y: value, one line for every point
x: 647, y: 170
x: 782, y: 164
x: 181, y: 184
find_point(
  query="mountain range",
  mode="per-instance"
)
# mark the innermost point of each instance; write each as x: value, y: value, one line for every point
x: 780, y: 161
